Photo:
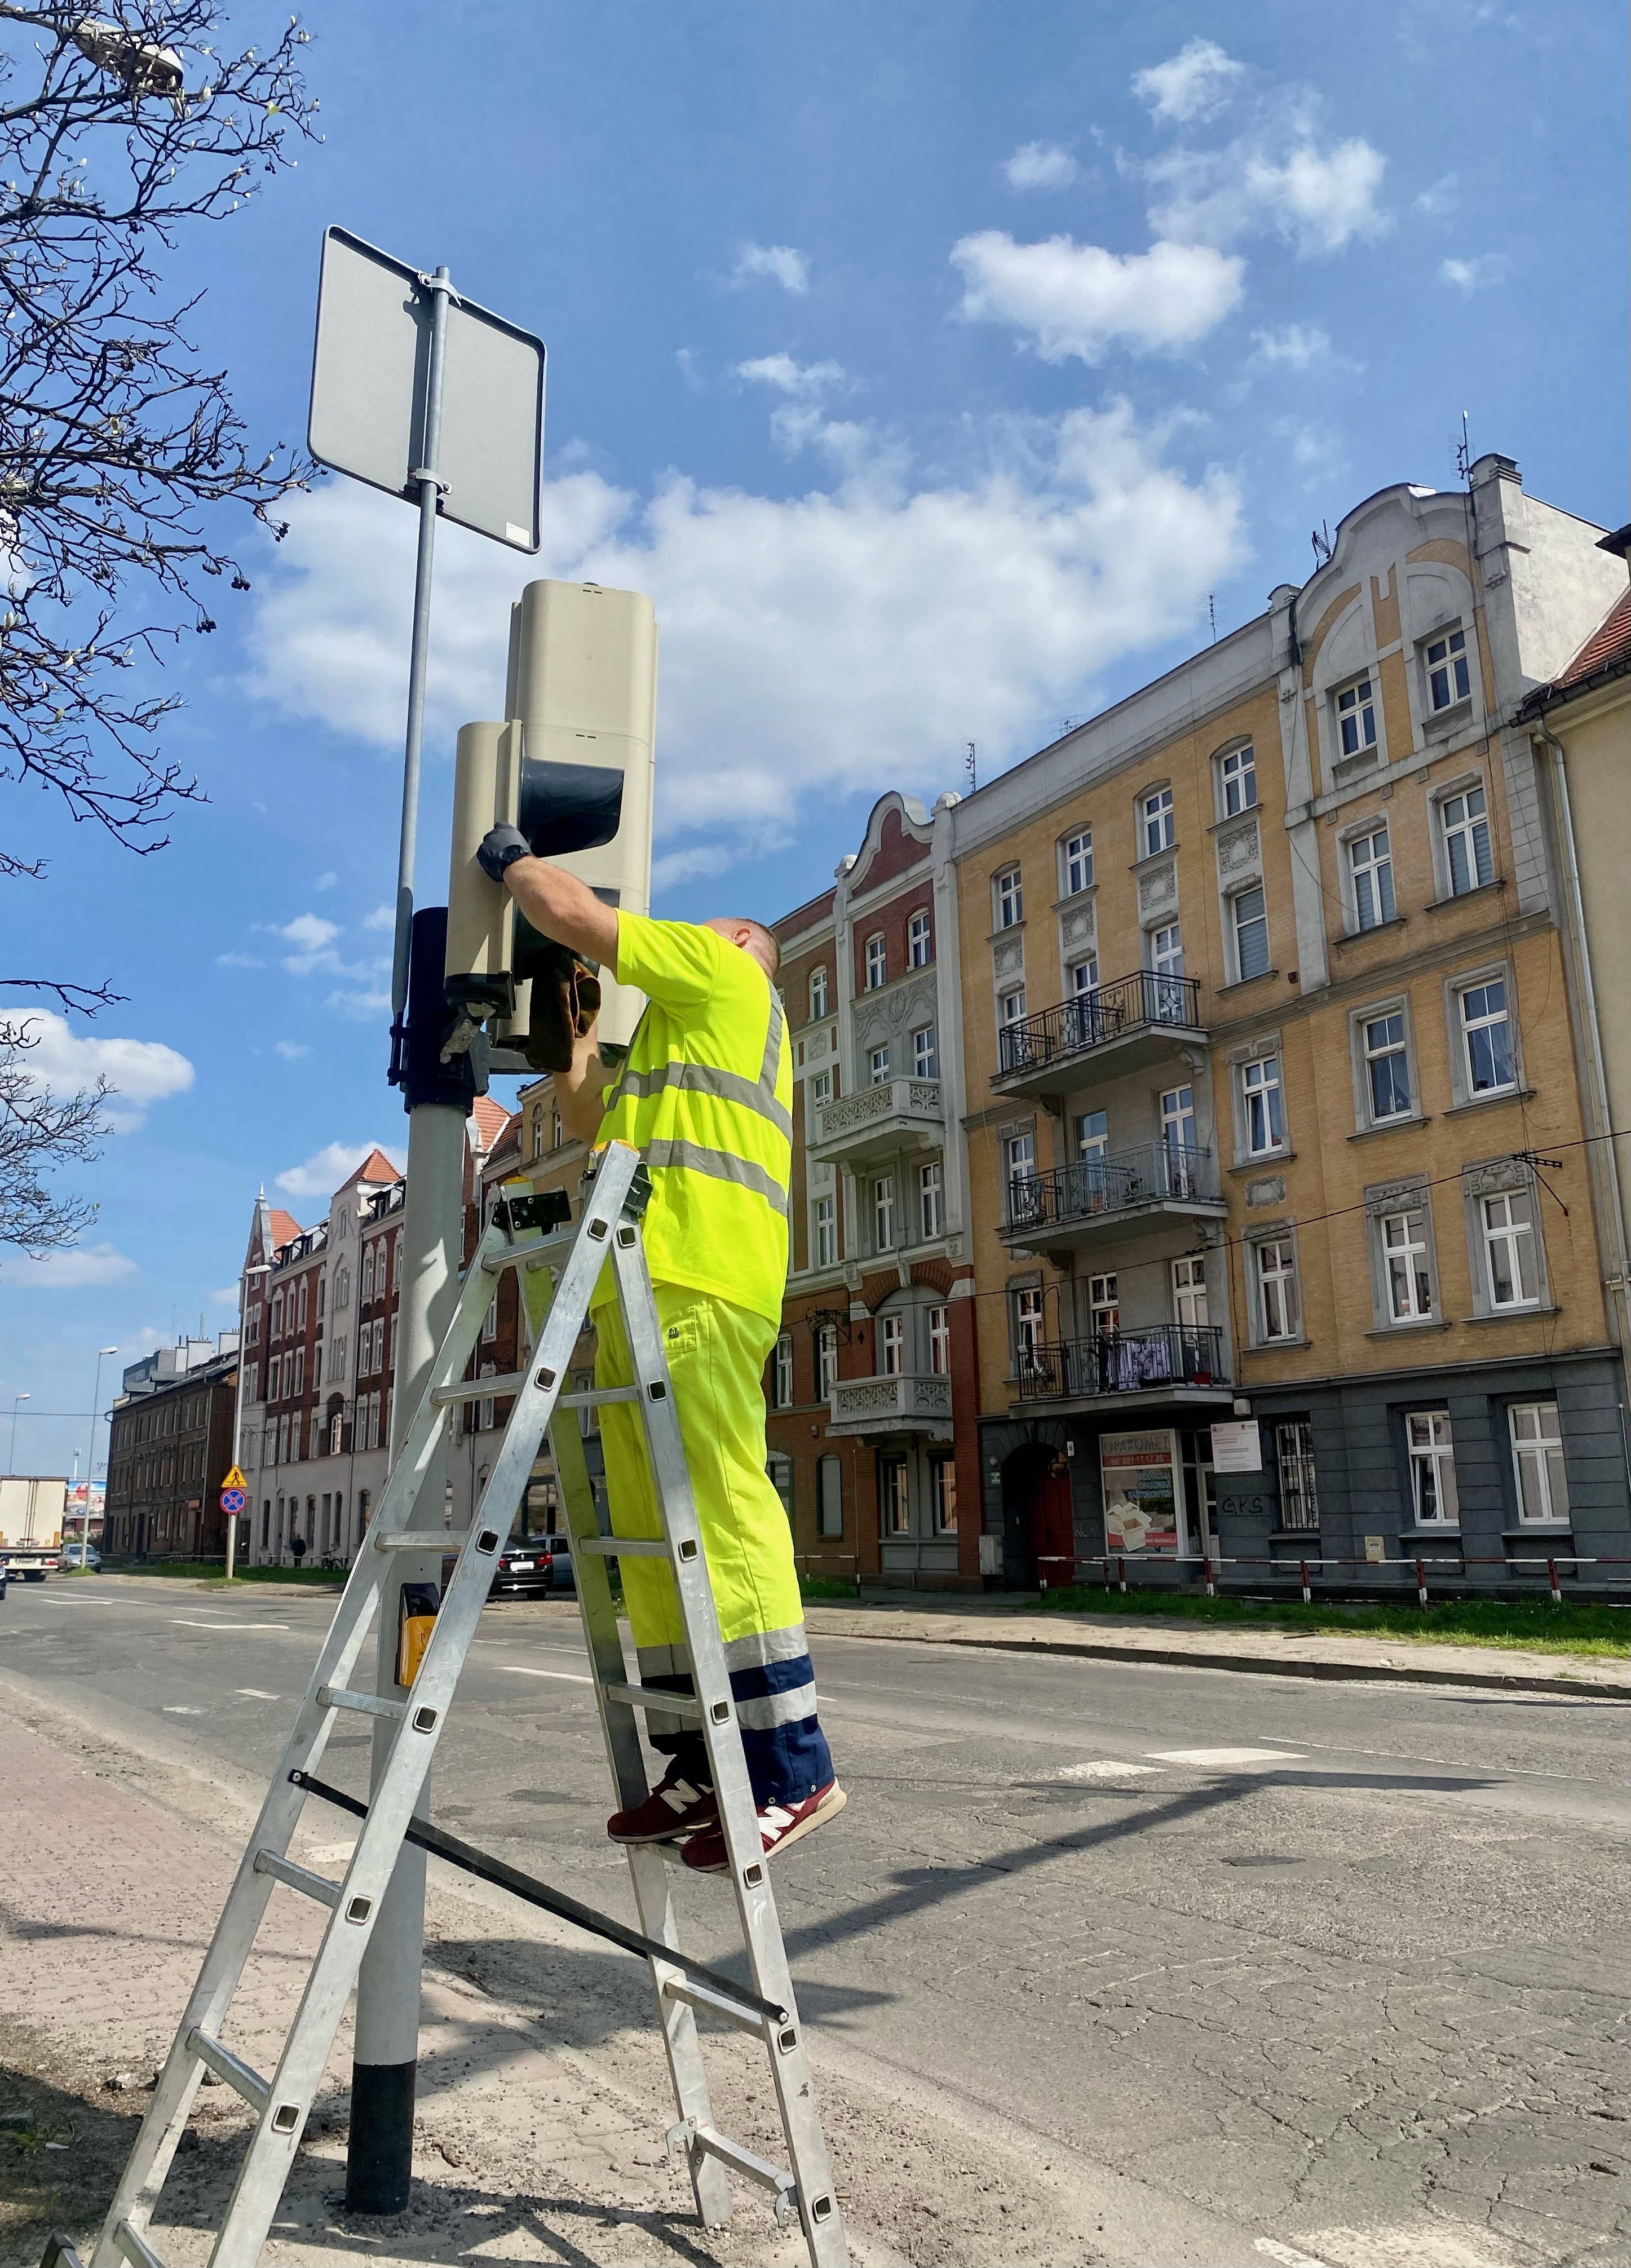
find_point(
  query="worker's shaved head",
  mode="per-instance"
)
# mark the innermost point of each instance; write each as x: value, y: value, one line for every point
x: 752, y: 937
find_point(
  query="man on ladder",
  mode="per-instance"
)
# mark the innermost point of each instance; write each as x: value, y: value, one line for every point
x: 706, y: 1097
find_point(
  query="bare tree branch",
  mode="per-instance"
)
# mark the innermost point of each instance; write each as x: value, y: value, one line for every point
x: 39, y: 1132
x: 83, y: 999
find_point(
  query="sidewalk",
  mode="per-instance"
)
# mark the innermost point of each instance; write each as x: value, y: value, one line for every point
x: 1170, y: 1641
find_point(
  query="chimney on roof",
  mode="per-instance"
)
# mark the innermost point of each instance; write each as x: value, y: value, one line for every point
x: 1495, y: 468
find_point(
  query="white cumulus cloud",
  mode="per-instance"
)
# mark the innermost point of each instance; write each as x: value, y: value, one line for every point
x: 1282, y: 181
x: 1295, y: 346
x: 785, y: 376
x: 1470, y: 275
x: 773, y: 263
x: 1193, y: 84
x: 291, y: 1050
x: 327, y: 1169
x: 140, y: 1071
x: 71, y: 1270
x: 880, y: 620
x: 1039, y: 165
x: 1079, y: 299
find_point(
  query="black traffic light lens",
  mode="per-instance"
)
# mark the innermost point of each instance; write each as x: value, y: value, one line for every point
x: 566, y: 807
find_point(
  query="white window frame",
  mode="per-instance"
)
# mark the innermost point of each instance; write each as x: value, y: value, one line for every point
x: 1025, y: 1315
x: 1190, y: 1308
x: 825, y: 1233
x: 1375, y: 1044
x: 942, y: 1496
x: 1010, y: 1007
x: 1369, y: 877
x: 1507, y: 1226
x: 827, y: 1360
x: 924, y: 1055
x: 1431, y: 1452
x: 1405, y: 1250
x: 1462, y: 815
x: 1104, y: 1304
x: 1447, y: 669
x: 1166, y: 949
x: 883, y: 1213
x: 892, y: 1344
x: 818, y: 992
x: 894, y: 1497
x: 1019, y: 1164
x: 1277, y: 1302
x: 1076, y: 863
x: 1355, y: 704
x: 1261, y: 1085
x: 919, y: 940
x: 939, y: 1340
x: 1157, y: 822
x: 932, y: 1199
x: 1541, y: 1454
x: 1240, y: 922
x: 875, y: 954
x: 1084, y: 976
x: 820, y: 1088
x: 1007, y: 898
x: 486, y: 1406
x: 1469, y: 1019
x: 1237, y: 781
x: 781, y: 1373
x: 878, y: 1065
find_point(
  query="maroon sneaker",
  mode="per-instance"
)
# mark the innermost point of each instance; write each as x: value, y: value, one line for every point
x: 780, y: 1824
x: 677, y: 1807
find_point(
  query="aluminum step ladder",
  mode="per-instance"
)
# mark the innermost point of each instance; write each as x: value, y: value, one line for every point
x: 567, y: 1264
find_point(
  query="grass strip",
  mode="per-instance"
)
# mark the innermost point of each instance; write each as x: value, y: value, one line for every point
x: 1533, y: 1624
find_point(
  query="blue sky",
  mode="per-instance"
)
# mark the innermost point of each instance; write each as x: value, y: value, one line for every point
x: 934, y: 368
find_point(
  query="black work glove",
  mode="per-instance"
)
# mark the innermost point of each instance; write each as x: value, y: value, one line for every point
x: 501, y: 847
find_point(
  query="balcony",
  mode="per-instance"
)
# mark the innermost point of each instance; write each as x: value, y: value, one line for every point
x: 1164, y: 1362
x: 879, y: 1122
x: 1128, y: 1190
x: 912, y: 1401
x: 1126, y: 1026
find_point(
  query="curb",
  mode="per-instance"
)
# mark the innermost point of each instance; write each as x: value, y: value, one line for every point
x: 1262, y: 1665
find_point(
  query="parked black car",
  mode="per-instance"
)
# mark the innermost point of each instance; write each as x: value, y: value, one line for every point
x: 533, y: 1565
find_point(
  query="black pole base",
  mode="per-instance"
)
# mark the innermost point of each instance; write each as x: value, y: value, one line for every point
x: 379, y: 2157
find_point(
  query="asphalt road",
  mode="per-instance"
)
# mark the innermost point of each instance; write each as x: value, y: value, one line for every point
x: 1341, y: 1967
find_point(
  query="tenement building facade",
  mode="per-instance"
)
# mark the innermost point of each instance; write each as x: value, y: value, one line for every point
x: 1272, y: 1113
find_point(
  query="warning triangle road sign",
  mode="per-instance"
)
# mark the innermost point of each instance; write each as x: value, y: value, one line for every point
x: 235, y: 1479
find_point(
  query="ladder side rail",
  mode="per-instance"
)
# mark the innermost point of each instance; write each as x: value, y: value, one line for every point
x: 790, y: 2069
x: 648, y: 1870
x: 265, y: 2168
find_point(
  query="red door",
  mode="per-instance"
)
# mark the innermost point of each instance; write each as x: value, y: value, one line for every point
x: 1052, y: 1532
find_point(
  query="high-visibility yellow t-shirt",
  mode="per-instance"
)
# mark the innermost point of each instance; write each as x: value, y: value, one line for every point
x: 706, y: 1097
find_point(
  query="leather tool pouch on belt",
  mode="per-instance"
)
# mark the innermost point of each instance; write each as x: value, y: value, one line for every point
x: 565, y: 998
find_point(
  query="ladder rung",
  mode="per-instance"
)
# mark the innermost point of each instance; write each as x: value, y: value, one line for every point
x: 478, y: 1389
x: 523, y: 1255
x: 600, y: 1393
x: 134, y: 2249
x: 230, y: 2067
x: 297, y: 1878
x: 623, y: 1547
x: 439, y: 1540
x: 366, y: 1704
x: 646, y: 1697
x: 717, y: 2003
x: 743, y: 2161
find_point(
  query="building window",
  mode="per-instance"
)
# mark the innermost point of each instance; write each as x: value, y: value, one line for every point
x: 1486, y: 1037
x: 484, y: 1420
x: 780, y: 1472
x: 1189, y: 1292
x: 1356, y: 717
x: 894, y: 1503
x: 826, y: 1360
x: 1538, y: 1458
x: 1084, y: 976
x: 932, y: 1198
x: 1019, y: 1170
x: 943, y: 1495
x: 820, y: 1088
x: 1078, y: 857
x: 1511, y: 1275
x: 826, y: 1233
x: 828, y: 1497
x: 1448, y: 678
x: 883, y: 1213
x: 1250, y: 918
x: 878, y: 1065
x: 1104, y: 1304
x: 818, y: 993
x: 940, y: 1341
x: 1011, y: 1011
x: 300, y: 1370
x: 252, y: 1381
x: 1404, y: 1260
x: 1166, y: 951
x: 1387, y: 1066
x: 1237, y: 781
x: 925, y: 1062
x: 1293, y: 1463
x: 1157, y: 826
x: 490, y: 1320
x: 278, y: 1317
x: 1263, y: 1106
x: 1432, y: 1468
x: 1027, y: 1323
x: 781, y: 1373
x: 557, y: 1129
x: 1463, y: 823
x: 1010, y: 899
x: 917, y: 940
x: 1277, y: 1287
x: 537, y: 1134
x: 367, y: 1289
x: 1178, y: 1140
x: 892, y: 1339
x: 1370, y: 867
x: 877, y: 962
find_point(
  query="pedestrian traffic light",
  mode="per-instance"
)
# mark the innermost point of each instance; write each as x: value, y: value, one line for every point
x: 572, y: 768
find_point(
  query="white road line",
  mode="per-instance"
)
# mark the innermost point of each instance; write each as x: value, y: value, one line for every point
x: 1109, y: 1768
x: 185, y: 1622
x: 571, y: 1676
x: 1224, y: 1757
x: 254, y: 1693
x: 1288, y: 2255
x: 175, y: 1709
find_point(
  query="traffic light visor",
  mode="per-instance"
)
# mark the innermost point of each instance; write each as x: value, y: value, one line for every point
x: 564, y: 807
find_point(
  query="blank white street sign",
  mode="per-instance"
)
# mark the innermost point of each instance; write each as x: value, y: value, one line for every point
x: 368, y: 389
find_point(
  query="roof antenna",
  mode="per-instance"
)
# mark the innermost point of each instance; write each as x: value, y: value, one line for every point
x: 1324, y: 548
x: 968, y: 766
x: 1212, y: 614
x: 1464, y: 452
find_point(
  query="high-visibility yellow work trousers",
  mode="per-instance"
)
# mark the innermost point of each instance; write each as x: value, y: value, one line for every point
x: 716, y: 1355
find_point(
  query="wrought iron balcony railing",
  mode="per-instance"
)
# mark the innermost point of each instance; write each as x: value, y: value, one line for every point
x: 1123, y: 1362
x: 1110, y: 1011
x: 1146, y: 1174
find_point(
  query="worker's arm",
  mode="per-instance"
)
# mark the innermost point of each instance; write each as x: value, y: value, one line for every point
x: 556, y: 904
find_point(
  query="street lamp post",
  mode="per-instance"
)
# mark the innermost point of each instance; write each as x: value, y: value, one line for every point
x: 90, y: 1463
x: 10, y: 1462
x: 261, y: 1268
